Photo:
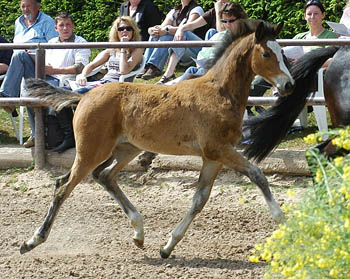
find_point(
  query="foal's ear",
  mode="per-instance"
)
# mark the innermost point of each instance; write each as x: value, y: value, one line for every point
x: 278, y: 28
x: 260, y: 32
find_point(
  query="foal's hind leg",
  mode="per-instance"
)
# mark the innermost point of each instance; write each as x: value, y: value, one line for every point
x: 236, y: 161
x: 207, y: 176
x: 105, y: 174
x: 61, y: 193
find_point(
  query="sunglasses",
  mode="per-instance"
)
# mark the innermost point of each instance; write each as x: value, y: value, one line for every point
x: 123, y: 28
x: 229, y: 20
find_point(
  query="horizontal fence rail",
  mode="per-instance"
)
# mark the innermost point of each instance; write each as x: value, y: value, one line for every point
x: 39, y: 48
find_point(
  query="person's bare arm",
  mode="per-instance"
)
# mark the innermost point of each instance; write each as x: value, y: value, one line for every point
x: 3, y: 68
x: 128, y: 64
x: 100, y: 59
x: 189, y: 26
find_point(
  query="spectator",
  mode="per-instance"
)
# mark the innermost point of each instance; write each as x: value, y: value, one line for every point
x: 5, y: 57
x: 144, y: 12
x: 345, y: 19
x: 61, y: 65
x: 120, y: 61
x: 226, y: 16
x: 33, y: 26
x: 314, y: 15
x: 156, y: 58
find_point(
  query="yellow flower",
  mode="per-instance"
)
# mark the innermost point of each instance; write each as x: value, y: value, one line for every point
x: 333, y: 272
x: 311, y: 139
x: 291, y: 193
x: 278, y: 234
x: 338, y: 161
x: 347, y: 224
x: 254, y: 259
x: 346, y: 144
x: 322, y: 263
x: 319, y: 176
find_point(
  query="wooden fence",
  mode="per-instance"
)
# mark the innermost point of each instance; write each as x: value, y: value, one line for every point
x: 39, y: 154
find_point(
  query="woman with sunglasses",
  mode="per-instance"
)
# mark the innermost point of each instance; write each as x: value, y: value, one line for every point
x: 119, y: 61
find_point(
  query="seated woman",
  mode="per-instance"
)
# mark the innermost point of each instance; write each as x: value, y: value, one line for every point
x: 229, y: 15
x: 120, y: 61
x: 156, y: 58
x: 314, y: 13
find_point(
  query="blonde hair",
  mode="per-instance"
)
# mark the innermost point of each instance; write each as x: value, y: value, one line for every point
x: 113, y: 34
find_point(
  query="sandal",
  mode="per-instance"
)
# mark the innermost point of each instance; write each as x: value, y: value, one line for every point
x: 165, y: 79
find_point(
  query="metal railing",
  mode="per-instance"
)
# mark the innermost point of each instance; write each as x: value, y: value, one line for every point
x: 39, y: 154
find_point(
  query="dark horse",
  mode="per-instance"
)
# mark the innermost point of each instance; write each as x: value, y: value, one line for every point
x: 276, y: 122
x: 115, y: 122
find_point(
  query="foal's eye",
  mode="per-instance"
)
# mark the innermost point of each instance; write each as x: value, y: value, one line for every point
x: 266, y: 54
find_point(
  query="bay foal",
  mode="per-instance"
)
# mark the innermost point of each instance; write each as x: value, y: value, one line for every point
x: 115, y: 122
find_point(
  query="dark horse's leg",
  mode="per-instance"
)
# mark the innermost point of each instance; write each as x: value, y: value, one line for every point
x: 207, y: 176
x: 236, y: 161
x: 105, y: 174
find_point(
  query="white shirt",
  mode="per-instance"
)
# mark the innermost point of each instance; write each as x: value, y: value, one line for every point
x: 59, y: 58
x: 196, y: 10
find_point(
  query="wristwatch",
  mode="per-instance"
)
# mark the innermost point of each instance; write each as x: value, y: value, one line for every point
x: 167, y: 30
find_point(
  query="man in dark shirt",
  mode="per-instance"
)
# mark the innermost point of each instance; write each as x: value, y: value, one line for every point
x: 144, y: 12
x: 5, y: 57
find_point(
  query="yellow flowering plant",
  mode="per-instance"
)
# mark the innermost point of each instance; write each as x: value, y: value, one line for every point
x: 314, y: 240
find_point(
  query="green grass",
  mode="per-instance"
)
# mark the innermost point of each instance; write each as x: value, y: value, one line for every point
x: 292, y: 141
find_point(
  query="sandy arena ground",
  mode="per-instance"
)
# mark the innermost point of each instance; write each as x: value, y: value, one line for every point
x: 92, y: 238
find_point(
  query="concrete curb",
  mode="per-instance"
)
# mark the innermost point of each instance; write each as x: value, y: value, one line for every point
x: 282, y: 161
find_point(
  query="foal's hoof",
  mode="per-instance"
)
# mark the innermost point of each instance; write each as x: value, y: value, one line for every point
x: 279, y: 218
x: 138, y: 243
x: 163, y: 254
x: 24, y: 248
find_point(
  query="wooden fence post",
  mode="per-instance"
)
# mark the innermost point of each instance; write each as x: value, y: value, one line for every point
x: 39, y: 152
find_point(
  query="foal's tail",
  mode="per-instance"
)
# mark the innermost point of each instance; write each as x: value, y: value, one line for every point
x: 270, y: 127
x: 54, y: 96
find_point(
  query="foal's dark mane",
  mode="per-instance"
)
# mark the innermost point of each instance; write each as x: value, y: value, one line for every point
x: 244, y: 28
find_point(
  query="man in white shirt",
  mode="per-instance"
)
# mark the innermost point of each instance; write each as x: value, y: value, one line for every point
x: 61, y: 65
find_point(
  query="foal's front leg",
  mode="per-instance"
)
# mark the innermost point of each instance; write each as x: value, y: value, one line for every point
x: 207, y: 176
x: 236, y: 161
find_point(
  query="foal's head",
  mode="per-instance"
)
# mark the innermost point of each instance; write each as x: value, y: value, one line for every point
x: 267, y: 59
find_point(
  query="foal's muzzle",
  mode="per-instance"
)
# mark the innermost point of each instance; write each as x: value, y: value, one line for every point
x: 285, y: 86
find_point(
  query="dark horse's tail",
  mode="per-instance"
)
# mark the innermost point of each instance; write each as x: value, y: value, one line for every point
x: 54, y: 96
x: 270, y: 127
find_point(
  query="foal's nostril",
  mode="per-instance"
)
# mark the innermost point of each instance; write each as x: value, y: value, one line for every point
x: 289, y: 86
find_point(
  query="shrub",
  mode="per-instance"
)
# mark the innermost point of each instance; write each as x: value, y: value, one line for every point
x: 313, y: 242
x: 94, y: 17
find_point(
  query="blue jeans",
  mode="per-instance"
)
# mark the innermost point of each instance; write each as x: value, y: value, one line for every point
x: 192, y: 71
x: 190, y: 52
x: 210, y: 33
x: 21, y: 66
x: 158, y: 56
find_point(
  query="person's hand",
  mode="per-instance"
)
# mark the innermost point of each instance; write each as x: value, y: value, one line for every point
x: 155, y: 31
x: 124, y: 39
x: 81, y: 79
x: 49, y: 70
x: 179, y: 35
x: 218, y: 5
